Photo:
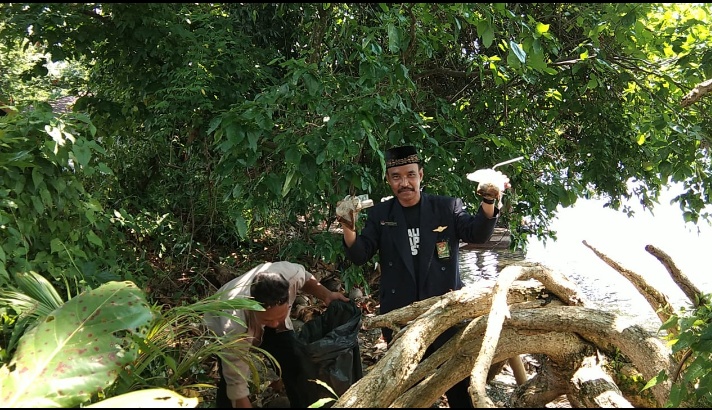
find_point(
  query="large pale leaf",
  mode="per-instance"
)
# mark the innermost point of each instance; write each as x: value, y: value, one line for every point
x: 147, y: 399
x: 77, y: 350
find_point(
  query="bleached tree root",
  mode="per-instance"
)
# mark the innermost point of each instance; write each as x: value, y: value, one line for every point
x: 520, y: 373
x: 527, y: 331
x: 455, y: 366
x: 498, y: 312
x: 541, y: 315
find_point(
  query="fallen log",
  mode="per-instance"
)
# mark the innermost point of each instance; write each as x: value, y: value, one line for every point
x: 455, y: 359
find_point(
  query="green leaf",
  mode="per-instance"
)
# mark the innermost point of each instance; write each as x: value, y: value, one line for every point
x: 312, y: 84
x: 287, y: 183
x: 252, y: 138
x: 37, y: 204
x: 670, y: 323
x: 59, y: 184
x: 659, y: 378
x: 46, y: 198
x: 485, y: 30
x: 56, y: 246
x: 393, y: 39
x: 77, y: 350
x: 293, y: 156
x: 518, y: 51
x: 513, y: 60
x: 103, y: 168
x: 90, y: 214
x: 37, y: 177
x: 320, y: 157
x: 241, y: 226
x: 38, y: 288
x: 214, y: 124
x: 320, y: 403
x: 677, y: 393
x: 93, y: 238
x: 234, y: 133
x: 170, y: 362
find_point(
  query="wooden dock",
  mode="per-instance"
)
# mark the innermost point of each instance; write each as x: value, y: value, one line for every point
x: 500, y: 240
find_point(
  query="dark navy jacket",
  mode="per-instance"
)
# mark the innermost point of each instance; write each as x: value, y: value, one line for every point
x: 442, y: 219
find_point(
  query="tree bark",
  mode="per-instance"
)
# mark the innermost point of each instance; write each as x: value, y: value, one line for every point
x: 546, y: 386
x: 594, y: 388
x: 608, y: 332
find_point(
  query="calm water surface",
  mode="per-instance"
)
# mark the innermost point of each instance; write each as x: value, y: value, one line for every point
x: 621, y: 238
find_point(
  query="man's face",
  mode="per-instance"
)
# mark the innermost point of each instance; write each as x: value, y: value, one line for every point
x: 405, y: 183
x: 274, y: 316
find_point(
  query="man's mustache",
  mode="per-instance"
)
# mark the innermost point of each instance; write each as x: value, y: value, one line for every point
x: 405, y: 189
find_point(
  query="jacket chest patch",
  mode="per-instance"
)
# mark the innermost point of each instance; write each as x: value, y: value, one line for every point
x: 443, y: 250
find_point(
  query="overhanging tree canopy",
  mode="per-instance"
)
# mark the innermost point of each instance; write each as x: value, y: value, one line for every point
x: 282, y: 109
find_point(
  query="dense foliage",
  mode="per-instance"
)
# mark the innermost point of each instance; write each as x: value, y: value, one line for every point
x: 693, y: 345
x: 50, y: 222
x: 236, y: 126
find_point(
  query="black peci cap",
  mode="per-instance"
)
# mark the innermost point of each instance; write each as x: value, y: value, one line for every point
x: 404, y: 155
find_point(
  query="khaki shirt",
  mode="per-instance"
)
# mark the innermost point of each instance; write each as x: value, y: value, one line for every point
x: 237, y: 372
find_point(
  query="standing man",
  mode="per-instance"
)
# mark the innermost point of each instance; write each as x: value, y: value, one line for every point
x: 274, y: 285
x: 417, y: 236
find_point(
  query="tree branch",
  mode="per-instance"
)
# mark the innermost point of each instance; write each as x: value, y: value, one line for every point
x: 657, y: 300
x: 688, y: 288
x: 698, y: 92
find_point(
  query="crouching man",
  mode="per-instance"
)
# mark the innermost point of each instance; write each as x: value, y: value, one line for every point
x: 275, y: 286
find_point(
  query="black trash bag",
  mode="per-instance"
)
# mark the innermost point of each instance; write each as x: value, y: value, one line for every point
x: 327, y: 349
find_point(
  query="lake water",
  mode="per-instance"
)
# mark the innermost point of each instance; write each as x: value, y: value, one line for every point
x: 621, y: 238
